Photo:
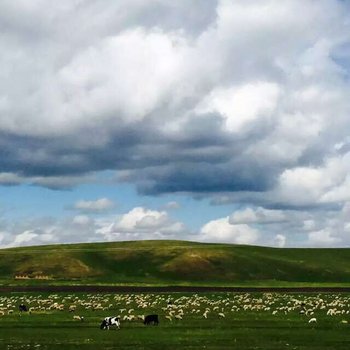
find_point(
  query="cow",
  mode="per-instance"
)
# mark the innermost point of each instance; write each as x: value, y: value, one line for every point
x: 151, y: 319
x: 22, y: 308
x: 110, y: 321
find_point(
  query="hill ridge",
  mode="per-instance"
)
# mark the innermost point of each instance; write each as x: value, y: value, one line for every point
x: 173, y: 262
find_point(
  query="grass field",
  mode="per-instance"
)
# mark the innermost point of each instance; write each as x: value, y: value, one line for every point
x: 190, y: 321
x: 152, y: 263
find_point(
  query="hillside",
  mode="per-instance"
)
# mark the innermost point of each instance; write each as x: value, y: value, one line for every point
x: 173, y: 263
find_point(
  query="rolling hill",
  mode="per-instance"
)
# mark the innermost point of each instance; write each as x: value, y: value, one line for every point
x: 156, y: 263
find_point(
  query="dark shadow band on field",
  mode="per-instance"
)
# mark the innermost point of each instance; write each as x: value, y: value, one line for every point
x: 170, y: 289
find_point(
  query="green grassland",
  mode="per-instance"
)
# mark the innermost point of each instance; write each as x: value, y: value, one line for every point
x: 241, y: 328
x: 157, y: 263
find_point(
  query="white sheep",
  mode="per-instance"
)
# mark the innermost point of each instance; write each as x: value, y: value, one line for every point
x: 78, y: 318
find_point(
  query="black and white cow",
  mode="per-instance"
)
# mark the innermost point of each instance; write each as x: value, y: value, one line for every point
x: 151, y: 319
x: 110, y: 321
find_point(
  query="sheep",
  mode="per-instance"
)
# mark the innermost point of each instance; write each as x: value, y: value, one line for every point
x: 78, y: 318
x: 313, y: 320
x: 72, y: 308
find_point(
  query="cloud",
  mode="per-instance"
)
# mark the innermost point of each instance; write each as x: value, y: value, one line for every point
x: 142, y: 223
x: 316, y: 185
x: 10, y: 179
x: 221, y: 230
x: 241, y: 106
x: 236, y: 101
x: 98, y: 205
x: 259, y: 216
x: 138, y: 223
x: 82, y: 220
x: 280, y: 241
x: 2, y: 236
x: 309, y: 225
x: 222, y: 94
x: 322, y: 238
x: 142, y: 219
x: 299, y: 228
x: 172, y: 205
x: 281, y: 228
x: 24, y: 238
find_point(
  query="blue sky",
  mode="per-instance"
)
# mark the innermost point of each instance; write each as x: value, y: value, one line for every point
x: 25, y: 201
x: 215, y: 121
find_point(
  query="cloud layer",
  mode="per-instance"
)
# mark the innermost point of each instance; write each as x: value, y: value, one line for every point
x: 241, y: 101
x: 251, y: 225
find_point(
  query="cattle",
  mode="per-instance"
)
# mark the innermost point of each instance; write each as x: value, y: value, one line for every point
x: 110, y: 321
x: 23, y: 308
x: 149, y: 319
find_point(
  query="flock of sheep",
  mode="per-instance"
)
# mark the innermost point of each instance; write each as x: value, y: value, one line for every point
x: 176, y: 307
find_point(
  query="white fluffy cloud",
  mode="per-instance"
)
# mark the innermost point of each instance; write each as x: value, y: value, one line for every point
x: 328, y: 183
x: 142, y: 223
x: 221, y: 230
x: 241, y: 106
x: 323, y: 238
x: 24, y: 238
x: 124, y: 77
x: 138, y: 223
x: 280, y: 241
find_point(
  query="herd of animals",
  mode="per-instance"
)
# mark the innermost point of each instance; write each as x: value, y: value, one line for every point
x: 174, y: 307
x: 108, y: 321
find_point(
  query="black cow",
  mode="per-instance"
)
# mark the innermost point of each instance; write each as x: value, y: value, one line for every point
x: 151, y: 319
x: 23, y: 308
x: 110, y: 321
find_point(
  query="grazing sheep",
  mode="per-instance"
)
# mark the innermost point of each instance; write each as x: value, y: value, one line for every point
x: 313, y: 320
x: 72, y: 308
x: 78, y: 318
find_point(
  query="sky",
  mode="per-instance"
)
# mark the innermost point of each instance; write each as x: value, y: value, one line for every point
x: 211, y: 121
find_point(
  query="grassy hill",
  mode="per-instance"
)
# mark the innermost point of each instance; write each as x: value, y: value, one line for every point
x: 174, y: 263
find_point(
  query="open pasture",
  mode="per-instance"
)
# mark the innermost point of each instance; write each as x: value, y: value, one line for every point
x: 187, y: 321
